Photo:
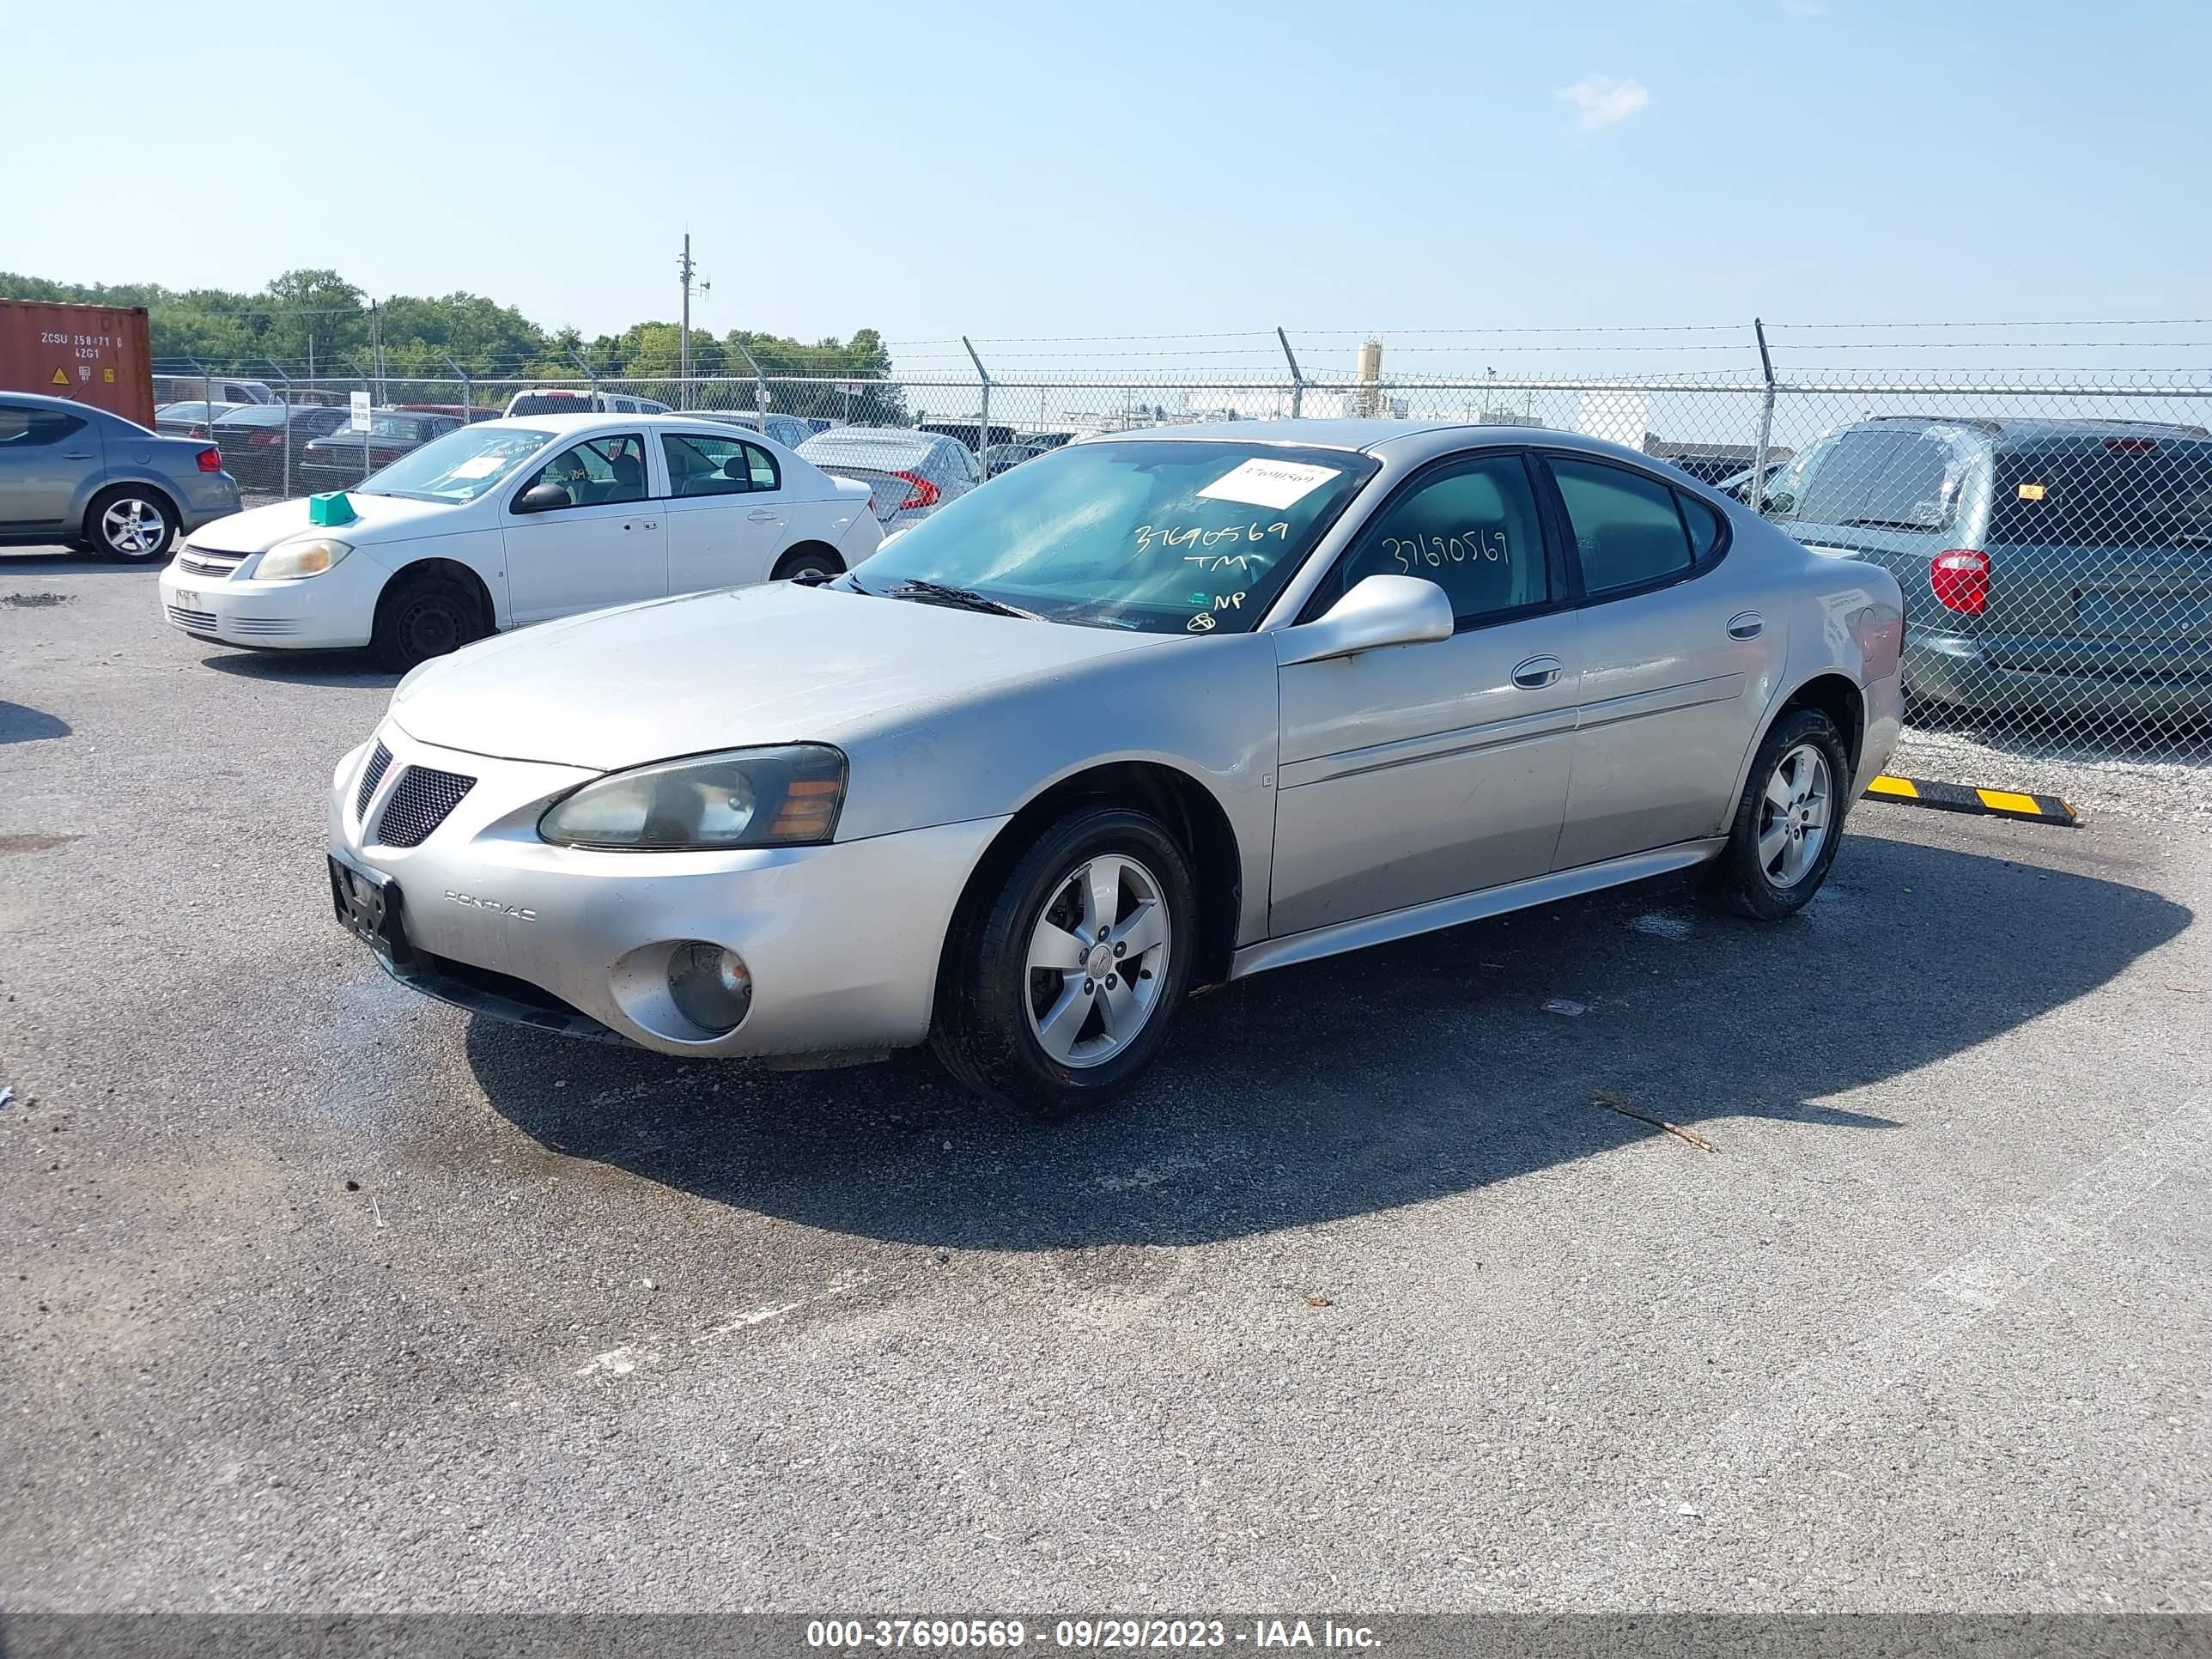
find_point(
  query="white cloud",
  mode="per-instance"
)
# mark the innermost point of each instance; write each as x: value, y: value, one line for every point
x: 1600, y: 100
x: 1803, y: 8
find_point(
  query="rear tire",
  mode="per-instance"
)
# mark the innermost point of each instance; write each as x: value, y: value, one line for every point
x: 1039, y: 1009
x: 131, y: 523
x: 812, y: 560
x: 420, y: 617
x: 1783, y: 837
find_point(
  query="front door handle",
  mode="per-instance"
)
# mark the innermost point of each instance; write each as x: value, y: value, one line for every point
x: 1536, y: 673
x: 1746, y: 624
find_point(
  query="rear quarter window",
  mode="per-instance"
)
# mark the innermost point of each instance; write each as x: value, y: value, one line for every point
x: 2104, y: 492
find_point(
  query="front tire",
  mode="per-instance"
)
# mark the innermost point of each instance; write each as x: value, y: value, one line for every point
x: 425, y: 616
x: 1783, y: 838
x: 1060, y: 987
x: 131, y: 523
x: 807, y: 560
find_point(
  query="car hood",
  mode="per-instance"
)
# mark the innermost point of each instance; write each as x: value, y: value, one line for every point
x: 773, y: 663
x: 380, y: 518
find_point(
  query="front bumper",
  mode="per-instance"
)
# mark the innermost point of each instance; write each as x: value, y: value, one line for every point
x: 335, y: 610
x: 842, y: 941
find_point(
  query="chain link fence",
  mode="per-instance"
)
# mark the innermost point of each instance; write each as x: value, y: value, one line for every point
x: 2052, y: 531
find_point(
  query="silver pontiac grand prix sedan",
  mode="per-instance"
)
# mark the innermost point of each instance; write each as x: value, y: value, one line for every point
x: 1154, y: 710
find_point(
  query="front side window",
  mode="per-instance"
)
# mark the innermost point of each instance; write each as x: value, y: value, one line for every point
x: 1472, y: 529
x: 716, y: 466
x: 597, y: 471
x: 1626, y: 527
x: 1161, y: 535
x: 458, y: 467
x: 22, y: 427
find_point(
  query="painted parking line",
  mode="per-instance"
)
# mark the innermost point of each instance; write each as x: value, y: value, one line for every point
x: 1962, y: 797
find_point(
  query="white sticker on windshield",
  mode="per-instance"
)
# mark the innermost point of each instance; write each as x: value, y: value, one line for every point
x: 1260, y: 482
x: 477, y: 466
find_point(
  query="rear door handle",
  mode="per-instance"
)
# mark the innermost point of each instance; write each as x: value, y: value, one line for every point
x: 762, y: 515
x: 1746, y: 625
x: 77, y: 454
x: 1536, y: 673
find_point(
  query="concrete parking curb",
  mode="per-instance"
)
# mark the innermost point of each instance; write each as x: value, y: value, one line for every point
x: 1962, y: 797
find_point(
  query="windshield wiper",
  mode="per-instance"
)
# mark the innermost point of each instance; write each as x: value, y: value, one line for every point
x: 1885, y: 524
x: 963, y: 599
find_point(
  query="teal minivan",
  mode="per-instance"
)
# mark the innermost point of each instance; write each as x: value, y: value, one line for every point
x: 2058, y: 567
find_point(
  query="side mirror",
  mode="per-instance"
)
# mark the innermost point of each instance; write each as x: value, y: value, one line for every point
x: 541, y: 498
x: 1777, y: 503
x: 1379, y: 610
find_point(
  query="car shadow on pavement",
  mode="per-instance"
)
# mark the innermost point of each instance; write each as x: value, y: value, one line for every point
x: 303, y: 667
x: 1384, y: 1077
x: 20, y: 725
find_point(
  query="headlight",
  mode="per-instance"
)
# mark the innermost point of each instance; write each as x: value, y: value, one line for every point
x: 781, y: 797
x: 311, y: 555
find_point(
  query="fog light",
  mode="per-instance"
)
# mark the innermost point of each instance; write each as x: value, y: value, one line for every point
x: 709, y: 986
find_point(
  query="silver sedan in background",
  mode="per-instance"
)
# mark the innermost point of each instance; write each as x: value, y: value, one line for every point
x: 910, y: 473
x: 1154, y: 710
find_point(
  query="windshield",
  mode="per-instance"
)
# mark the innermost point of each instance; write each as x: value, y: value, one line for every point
x: 458, y: 467
x: 1166, y: 537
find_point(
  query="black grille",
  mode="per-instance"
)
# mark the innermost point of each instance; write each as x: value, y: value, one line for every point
x: 371, y: 777
x: 420, y: 804
x: 199, y: 622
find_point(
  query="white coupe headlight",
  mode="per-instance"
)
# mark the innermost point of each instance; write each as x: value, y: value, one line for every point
x: 309, y: 555
x: 787, y: 796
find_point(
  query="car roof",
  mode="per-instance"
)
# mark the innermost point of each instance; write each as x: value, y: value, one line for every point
x: 2038, y: 428
x: 1404, y: 439
x: 40, y: 400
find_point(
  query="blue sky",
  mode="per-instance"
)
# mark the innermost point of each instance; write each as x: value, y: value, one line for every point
x: 1135, y: 168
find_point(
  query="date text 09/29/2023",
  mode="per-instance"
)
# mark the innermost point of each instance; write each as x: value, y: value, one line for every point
x: 1120, y: 1633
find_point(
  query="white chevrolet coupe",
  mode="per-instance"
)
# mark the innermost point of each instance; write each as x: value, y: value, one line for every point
x: 515, y: 521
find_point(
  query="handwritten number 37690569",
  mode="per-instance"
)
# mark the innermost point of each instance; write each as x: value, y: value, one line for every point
x: 1430, y: 552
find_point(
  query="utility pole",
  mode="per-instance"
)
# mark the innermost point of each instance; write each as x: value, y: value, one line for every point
x: 686, y: 269
x: 376, y: 344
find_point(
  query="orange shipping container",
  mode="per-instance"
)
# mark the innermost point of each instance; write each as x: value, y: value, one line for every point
x: 96, y: 355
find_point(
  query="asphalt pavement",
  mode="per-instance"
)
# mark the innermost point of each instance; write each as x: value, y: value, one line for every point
x: 1384, y: 1291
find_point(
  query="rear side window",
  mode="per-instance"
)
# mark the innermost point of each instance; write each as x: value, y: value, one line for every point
x: 1626, y: 527
x: 1871, y: 478
x: 699, y: 465
x: 2105, y: 492
x: 1472, y: 529
x: 35, y: 428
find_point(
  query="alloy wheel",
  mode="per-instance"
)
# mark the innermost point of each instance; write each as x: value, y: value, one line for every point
x: 1793, y: 816
x: 1098, y: 957
x: 134, y: 527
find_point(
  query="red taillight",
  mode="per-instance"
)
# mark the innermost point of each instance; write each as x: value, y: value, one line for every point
x: 211, y: 460
x: 924, y: 493
x: 1961, y: 580
x: 264, y: 440
x: 2131, y: 443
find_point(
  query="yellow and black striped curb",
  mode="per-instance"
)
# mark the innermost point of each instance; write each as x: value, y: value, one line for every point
x: 1960, y: 798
